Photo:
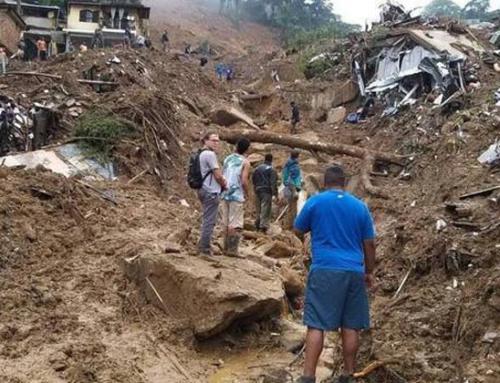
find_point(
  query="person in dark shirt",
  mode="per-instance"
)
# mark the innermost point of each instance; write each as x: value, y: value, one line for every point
x: 295, y: 116
x: 265, y: 186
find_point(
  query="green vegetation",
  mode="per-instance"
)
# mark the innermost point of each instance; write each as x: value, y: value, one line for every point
x: 474, y: 9
x: 99, y: 132
x: 301, y: 22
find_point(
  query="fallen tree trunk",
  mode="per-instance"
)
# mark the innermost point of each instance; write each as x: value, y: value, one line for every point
x: 232, y: 136
x: 36, y: 74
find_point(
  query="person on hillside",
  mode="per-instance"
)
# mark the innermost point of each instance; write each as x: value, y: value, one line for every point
x: 41, y: 47
x: 295, y: 116
x: 21, y: 47
x: 265, y: 185
x: 165, y: 41
x: 213, y: 185
x: 3, y: 60
x: 343, y: 262
x: 275, y: 76
x: 236, y: 171
x: 97, y: 39
x: 292, y: 182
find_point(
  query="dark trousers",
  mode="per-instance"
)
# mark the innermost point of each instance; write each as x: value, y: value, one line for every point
x: 263, y: 209
x: 210, y: 206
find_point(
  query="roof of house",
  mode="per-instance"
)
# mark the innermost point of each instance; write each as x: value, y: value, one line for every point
x: 126, y: 3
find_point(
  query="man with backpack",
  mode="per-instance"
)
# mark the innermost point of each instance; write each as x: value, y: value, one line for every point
x: 206, y: 177
x: 236, y: 171
x: 265, y: 185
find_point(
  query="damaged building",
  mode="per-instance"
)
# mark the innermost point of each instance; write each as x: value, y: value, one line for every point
x: 404, y: 64
x: 115, y: 17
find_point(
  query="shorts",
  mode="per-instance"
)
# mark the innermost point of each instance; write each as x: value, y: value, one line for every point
x: 336, y: 299
x: 233, y: 214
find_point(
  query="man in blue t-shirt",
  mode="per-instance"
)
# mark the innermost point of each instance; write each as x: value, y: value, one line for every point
x: 343, y: 261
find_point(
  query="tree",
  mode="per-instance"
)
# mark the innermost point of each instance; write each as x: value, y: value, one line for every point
x: 442, y: 8
x: 476, y: 9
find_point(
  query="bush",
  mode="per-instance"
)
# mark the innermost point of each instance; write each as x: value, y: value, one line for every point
x: 99, y: 132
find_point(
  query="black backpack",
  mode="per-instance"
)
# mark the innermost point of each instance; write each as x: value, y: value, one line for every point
x: 194, y: 177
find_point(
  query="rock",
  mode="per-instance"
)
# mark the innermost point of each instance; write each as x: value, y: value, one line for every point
x: 294, y: 286
x: 276, y: 249
x: 172, y: 247
x: 255, y: 158
x: 30, y: 232
x: 293, y: 335
x: 187, y: 289
x: 229, y: 115
x: 490, y: 337
x: 180, y: 235
x: 335, y: 96
x: 336, y: 115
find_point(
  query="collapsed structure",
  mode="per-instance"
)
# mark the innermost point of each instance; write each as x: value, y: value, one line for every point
x: 400, y: 65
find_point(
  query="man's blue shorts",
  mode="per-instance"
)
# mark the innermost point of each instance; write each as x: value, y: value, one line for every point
x: 336, y: 299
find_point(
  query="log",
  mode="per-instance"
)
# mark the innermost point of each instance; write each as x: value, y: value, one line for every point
x: 96, y: 82
x: 232, y: 136
x: 36, y: 74
x: 255, y: 96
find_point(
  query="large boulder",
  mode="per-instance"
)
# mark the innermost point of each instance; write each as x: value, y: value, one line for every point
x: 224, y: 115
x: 211, y: 296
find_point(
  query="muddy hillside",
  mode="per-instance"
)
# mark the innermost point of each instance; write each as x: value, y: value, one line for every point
x: 100, y: 277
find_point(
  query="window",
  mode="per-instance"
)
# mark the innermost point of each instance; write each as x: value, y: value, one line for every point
x: 88, y: 16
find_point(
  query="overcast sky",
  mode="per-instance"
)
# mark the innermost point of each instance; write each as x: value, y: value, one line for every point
x: 357, y: 11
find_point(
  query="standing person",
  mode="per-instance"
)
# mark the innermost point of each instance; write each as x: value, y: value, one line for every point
x: 343, y: 262
x: 165, y: 41
x: 292, y: 181
x: 212, y: 183
x: 21, y: 46
x: 3, y: 60
x: 265, y: 185
x: 41, y: 46
x: 236, y: 171
x: 295, y: 116
x: 274, y: 75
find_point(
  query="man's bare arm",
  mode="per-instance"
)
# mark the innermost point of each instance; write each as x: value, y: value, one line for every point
x: 245, y: 174
x: 369, y: 250
x: 220, y: 178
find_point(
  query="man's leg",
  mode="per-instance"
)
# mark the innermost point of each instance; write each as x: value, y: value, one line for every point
x: 210, y: 204
x: 235, y: 226
x: 350, y: 346
x: 314, y: 347
x: 258, y: 207
x: 267, y: 200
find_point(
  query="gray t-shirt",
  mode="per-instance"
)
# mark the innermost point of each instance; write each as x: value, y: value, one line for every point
x: 208, y: 161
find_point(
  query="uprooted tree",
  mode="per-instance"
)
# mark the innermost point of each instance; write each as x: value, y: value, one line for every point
x: 369, y: 157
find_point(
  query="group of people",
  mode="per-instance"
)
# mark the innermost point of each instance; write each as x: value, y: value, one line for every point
x: 228, y: 187
x: 342, y: 240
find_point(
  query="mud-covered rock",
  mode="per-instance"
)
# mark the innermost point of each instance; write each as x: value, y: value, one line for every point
x: 211, y: 296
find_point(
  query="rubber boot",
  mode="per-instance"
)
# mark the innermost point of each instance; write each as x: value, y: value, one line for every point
x: 233, y: 245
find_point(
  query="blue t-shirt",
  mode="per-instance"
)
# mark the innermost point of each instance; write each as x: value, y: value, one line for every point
x: 339, y: 223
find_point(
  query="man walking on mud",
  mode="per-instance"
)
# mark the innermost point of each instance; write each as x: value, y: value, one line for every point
x: 264, y: 181
x: 213, y: 184
x: 295, y: 117
x: 236, y: 172
x: 343, y: 262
